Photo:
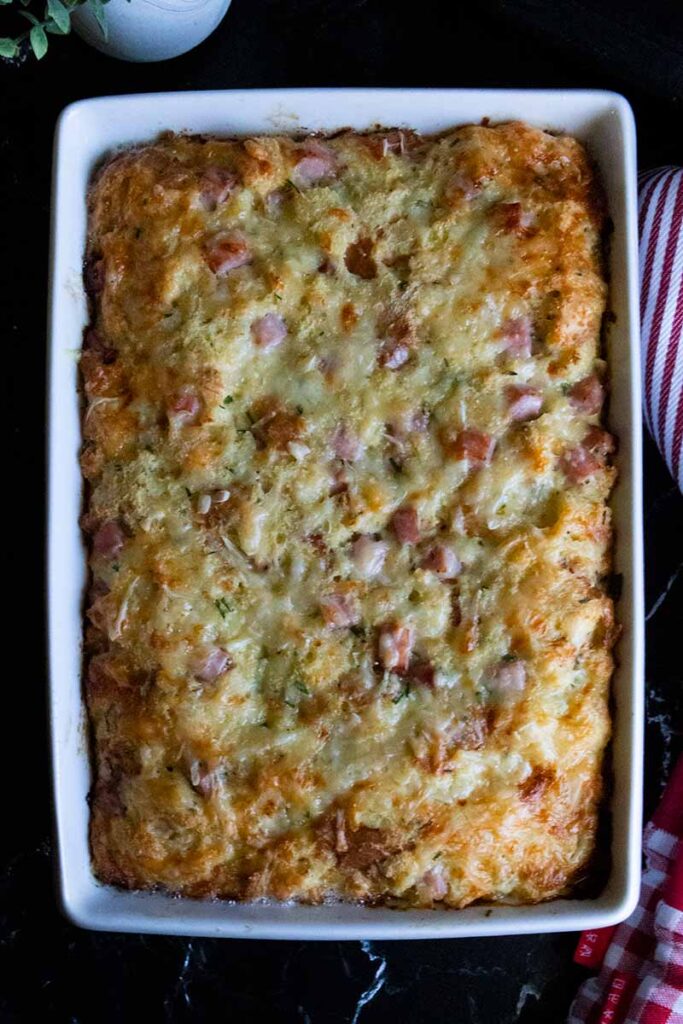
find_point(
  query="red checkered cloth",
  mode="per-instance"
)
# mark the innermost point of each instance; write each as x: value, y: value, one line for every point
x: 641, y: 977
x: 661, y: 310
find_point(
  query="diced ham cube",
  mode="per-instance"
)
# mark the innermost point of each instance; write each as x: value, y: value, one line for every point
x: 587, y: 395
x: 211, y: 663
x: 475, y: 446
x: 579, y: 463
x: 410, y: 421
x: 421, y: 673
x: 94, y: 275
x: 184, y: 408
x: 394, y: 647
x: 516, y: 334
x: 204, y: 777
x: 339, y: 484
x: 393, y: 354
x: 405, y: 524
x: 345, y: 444
x: 109, y: 540
x: 339, y: 610
x: 269, y: 331
x: 316, y: 162
x: 433, y: 884
x: 443, y: 561
x: 524, y: 402
x: 368, y: 556
x: 227, y: 252
x: 513, y: 219
x: 216, y: 185
x: 463, y: 186
x: 508, y: 679
x: 600, y: 441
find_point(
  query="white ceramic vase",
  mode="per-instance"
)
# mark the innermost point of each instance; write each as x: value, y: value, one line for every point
x: 148, y: 30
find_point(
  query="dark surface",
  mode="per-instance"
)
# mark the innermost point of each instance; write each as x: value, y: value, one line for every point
x: 51, y: 970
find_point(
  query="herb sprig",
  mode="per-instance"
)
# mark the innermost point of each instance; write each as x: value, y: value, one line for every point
x: 56, y: 21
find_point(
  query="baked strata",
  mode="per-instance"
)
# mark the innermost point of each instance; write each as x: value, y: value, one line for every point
x: 348, y: 632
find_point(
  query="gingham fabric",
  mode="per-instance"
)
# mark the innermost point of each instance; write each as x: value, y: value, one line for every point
x: 641, y: 977
x: 661, y: 310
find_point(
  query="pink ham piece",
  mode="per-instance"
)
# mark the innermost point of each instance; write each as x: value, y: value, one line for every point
x: 508, y: 679
x: 463, y: 186
x: 211, y: 663
x: 433, y: 884
x: 339, y: 610
x: 475, y: 446
x: 443, y: 561
x: 204, y: 779
x: 269, y: 331
x: 368, y: 556
x: 227, y: 252
x: 316, y: 162
x: 516, y: 334
x: 405, y: 525
x: 216, y: 185
x: 412, y: 421
x: 345, y: 444
x: 94, y: 275
x: 393, y: 354
x: 524, y: 402
x: 587, y: 395
x: 184, y: 409
x: 394, y: 647
x: 421, y: 673
x: 513, y: 219
x: 600, y: 441
x: 579, y: 463
x: 109, y: 540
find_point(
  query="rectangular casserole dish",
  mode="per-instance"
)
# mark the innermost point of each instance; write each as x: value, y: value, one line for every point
x: 86, y: 132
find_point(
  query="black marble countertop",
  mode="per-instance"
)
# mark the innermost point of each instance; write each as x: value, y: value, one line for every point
x: 51, y: 970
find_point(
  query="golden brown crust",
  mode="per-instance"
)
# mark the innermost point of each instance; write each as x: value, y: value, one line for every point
x: 347, y: 634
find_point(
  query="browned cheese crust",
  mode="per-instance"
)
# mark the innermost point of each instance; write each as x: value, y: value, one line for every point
x: 347, y: 630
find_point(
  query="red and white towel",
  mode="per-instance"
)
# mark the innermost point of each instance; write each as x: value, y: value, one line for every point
x: 641, y: 960
x: 661, y: 310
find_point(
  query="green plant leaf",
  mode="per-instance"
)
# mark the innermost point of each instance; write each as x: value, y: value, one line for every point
x: 5, y: 1
x: 59, y: 14
x: 8, y: 48
x: 24, y: 3
x: 29, y: 17
x: 97, y: 7
x: 55, y: 30
x: 38, y: 41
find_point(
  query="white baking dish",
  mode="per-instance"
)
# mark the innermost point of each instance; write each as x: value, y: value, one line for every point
x: 85, y: 132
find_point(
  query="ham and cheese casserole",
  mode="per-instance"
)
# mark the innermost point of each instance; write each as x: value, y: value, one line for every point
x: 348, y: 635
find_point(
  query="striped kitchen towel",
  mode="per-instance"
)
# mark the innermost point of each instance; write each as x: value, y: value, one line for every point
x: 661, y: 310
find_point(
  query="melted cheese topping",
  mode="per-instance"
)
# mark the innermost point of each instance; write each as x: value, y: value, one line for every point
x: 348, y: 636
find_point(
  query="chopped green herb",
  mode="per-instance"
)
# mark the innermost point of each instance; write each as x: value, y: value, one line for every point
x: 228, y: 400
x: 404, y: 693
x: 224, y: 607
x: 510, y: 657
x: 358, y: 631
x: 300, y: 410
x: 565, y: 388
x: 302, y: 688
x: 295, y: 188
x: 277, y: 296
x: 116, y: 566
x: 396, y: 466
x: 188, y: 492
